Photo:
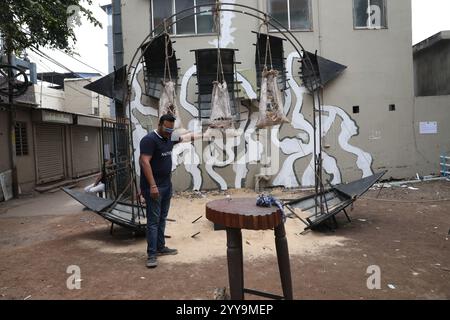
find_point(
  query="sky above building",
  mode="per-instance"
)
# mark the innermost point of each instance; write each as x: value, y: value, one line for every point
x: 428, y: 18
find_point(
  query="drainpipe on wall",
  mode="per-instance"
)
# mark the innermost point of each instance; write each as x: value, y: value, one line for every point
x: 318, y: 27
x: 118, y: 47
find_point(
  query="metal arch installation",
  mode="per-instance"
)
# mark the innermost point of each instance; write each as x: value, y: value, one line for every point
x: 125, y: 213
x: 217, y: 7
x: 128, y: 214
x: 321, y: 203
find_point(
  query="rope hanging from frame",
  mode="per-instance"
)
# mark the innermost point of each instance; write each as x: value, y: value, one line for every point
x: 168, y: 102
x: 221, y: 117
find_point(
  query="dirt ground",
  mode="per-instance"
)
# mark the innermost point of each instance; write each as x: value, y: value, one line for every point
x: 403, y: 231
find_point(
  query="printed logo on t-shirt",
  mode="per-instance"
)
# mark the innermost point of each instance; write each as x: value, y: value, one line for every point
x: 166, y: 154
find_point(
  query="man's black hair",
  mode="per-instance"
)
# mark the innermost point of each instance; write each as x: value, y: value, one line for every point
x: 166, y: 117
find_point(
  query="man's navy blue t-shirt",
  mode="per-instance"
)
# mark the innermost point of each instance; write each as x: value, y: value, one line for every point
x: 161, y: 151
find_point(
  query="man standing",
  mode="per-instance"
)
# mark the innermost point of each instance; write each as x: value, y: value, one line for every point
x: 156, y: 185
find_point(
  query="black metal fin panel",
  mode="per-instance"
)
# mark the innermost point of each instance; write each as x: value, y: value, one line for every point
x: 359, y: 187
x: 324, y: 70
x: 90, y: 201
x: 112, y: 86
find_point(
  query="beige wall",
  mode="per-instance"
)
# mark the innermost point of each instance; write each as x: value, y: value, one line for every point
x: 5, y: 161
x: 379, y: 73
x: 135, y: 25
x: 83, y: 101
x: 77, y: 100
x: 431, y: 146
x: 25, y: 164
x: 26, y: 167
x: 49, y: 98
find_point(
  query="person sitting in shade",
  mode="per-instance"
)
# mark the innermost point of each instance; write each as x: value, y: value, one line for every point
x: 99, y: 185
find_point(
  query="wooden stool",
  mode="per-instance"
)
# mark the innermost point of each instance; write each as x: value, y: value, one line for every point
x: 238, y: 214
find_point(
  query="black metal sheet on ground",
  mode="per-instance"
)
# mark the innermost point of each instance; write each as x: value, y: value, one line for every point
x: 90, y: 201
x: 124, y: 220
x: 309, y: 201
x: 359, y: 187
x: 315, y: 220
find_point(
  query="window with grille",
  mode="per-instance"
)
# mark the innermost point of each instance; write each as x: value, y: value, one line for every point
x: 369, y: 14
x: 294, y: 14
x: 188, y: 23
x: 206, y: 62
x: 271, y: 55
x: 21, y: 139
x: 155, y: 70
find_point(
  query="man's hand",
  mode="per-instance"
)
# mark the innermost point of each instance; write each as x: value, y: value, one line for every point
x: 154, y: 192
x: 144, y: 161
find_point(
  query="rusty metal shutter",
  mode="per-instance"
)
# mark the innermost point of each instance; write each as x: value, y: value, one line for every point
x: 49, y: 153
x: 86, y: 150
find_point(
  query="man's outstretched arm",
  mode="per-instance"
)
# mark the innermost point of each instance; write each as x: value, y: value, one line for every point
x: 190, y: 137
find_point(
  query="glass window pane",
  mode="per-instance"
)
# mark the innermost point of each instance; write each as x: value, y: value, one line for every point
x: 278, y: 10
x: 205, y: 21
x: 187, y: 25
x: 300, y: 14
x: 360, y: 13
x: 162, y: 9
x: 377, y: 10
x: 378, y: 13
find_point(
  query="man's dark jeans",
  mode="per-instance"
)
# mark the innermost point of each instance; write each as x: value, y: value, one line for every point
x: 157, y: 211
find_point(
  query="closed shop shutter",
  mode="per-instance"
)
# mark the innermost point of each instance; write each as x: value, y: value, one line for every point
x: 49, y: 152
x: 86, y: 150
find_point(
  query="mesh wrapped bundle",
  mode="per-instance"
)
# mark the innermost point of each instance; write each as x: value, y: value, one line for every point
x: 168, y: 105
x: 221, y: 119
x: 271, y: 102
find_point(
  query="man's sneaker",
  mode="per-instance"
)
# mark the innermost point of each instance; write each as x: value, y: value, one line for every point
x: 152, y: 262
x: 167, y: 252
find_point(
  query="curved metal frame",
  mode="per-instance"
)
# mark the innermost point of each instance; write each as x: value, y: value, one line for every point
x: 246, y: 10
x: 18, y: 90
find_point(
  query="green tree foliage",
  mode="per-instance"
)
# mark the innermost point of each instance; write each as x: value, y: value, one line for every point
x: 42, y: 23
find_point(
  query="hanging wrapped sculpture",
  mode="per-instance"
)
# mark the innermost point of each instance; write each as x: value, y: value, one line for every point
x: 221, y: 119
x: 271, y: 101
x: 168, y: 105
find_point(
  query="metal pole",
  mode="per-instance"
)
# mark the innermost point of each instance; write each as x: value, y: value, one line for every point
x: 316, y: 180
x: 320, y: 159
x: 12, y: 121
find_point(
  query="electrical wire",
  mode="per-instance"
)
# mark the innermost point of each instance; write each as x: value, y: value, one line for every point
x: 52, y: 60
x: 69, y: 55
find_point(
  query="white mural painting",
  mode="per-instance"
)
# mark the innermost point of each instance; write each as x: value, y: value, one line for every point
x: 220, y: 152
x: 138, y: 131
